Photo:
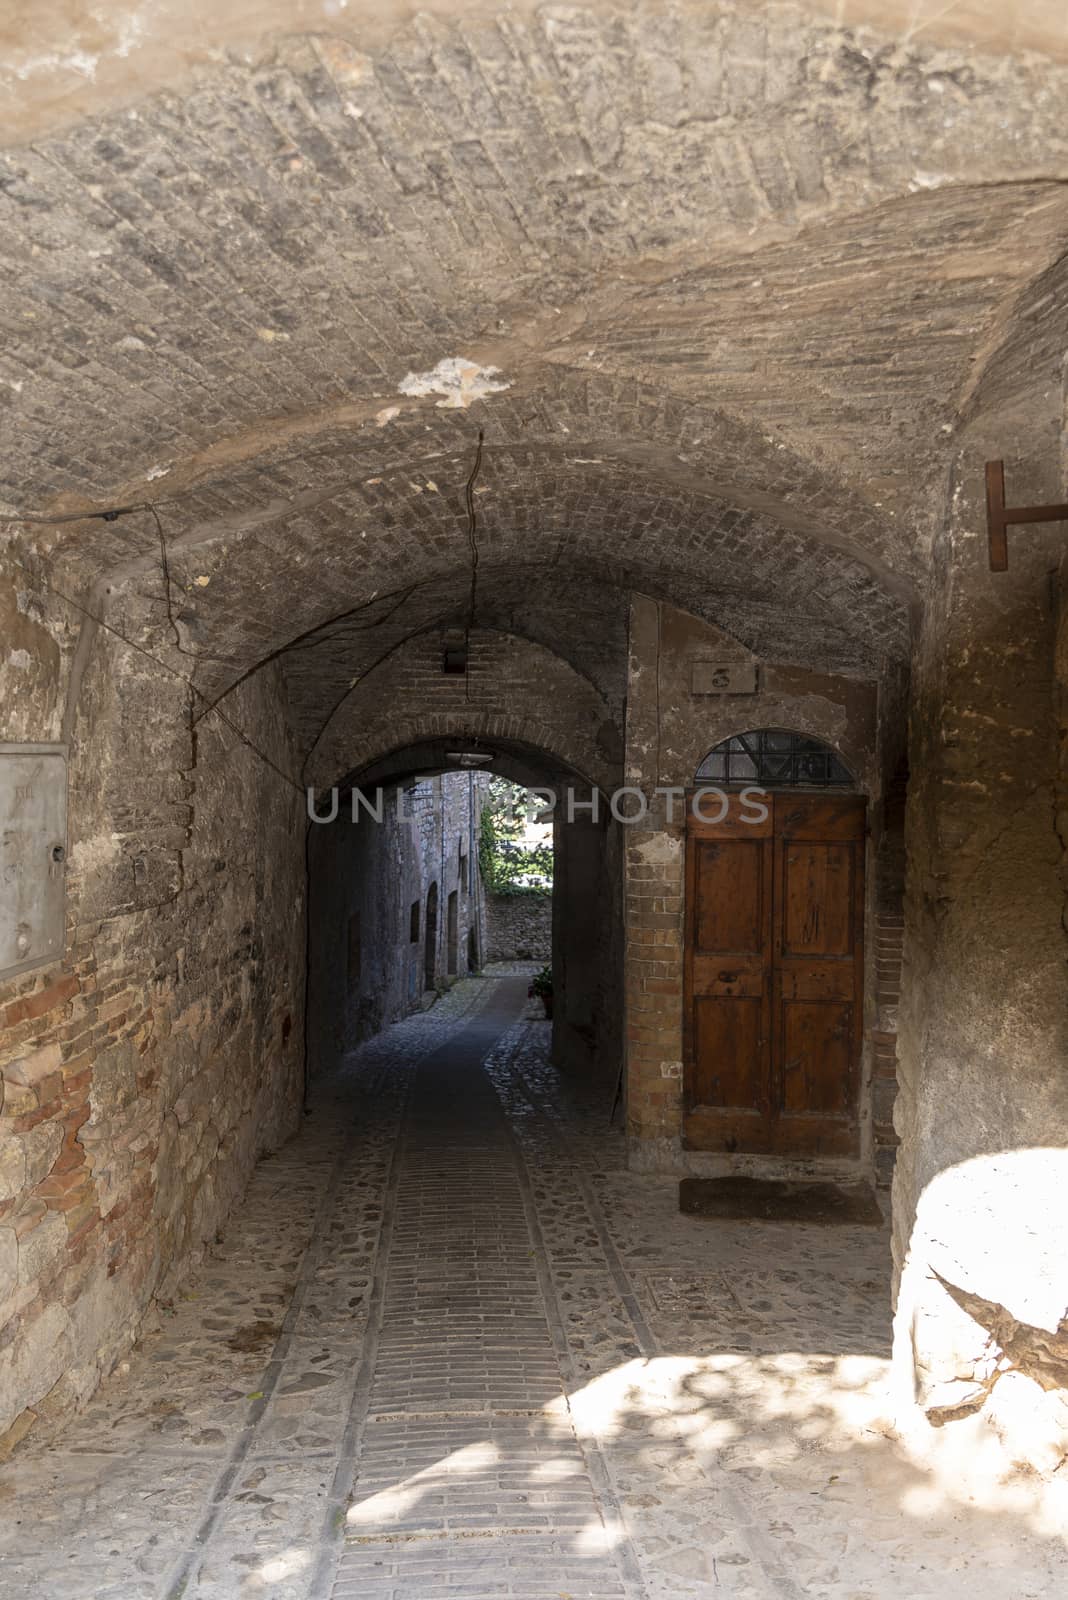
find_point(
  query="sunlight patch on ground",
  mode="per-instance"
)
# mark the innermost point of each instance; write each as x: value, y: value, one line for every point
x: 404, y: 1497
x: 286, y: 1565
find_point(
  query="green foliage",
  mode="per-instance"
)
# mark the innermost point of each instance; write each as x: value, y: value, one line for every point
x: 508, y: 866
x: 541, y: 983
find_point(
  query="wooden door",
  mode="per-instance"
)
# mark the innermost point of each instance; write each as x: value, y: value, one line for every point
x: 774, y: 976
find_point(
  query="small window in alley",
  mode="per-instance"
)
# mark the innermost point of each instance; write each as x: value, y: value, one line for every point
x: 413, y: 923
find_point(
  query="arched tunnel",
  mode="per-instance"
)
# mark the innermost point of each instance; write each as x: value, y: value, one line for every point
x: 601, y: 399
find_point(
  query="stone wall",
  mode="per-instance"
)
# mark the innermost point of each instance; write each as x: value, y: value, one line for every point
x: 145, y: 1072
x: 519, y: 927
x: 980, y: 1230
x: 375, y: 888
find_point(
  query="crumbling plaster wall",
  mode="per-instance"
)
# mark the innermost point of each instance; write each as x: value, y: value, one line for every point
x: 145, y: 1072
x: 669, y: 730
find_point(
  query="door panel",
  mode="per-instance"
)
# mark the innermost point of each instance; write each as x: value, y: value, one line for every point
x: 817, y: 899
x: 816, y: 1039
x: 729, y: 1052
x: 730, y: 891
x: 727, y: 986
x: 774, y: 973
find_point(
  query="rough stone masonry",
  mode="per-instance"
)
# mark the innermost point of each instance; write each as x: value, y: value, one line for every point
x: 737, y: 299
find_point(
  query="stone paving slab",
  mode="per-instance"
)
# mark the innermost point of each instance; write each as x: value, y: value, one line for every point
x: 449, y: 1347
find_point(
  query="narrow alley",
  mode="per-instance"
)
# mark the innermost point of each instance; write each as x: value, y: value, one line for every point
x: 447, y: 1347
x: 533, y: 800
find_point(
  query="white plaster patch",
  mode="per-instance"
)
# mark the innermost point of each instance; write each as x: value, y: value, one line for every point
x: 90, y: 857
x: 460, y: 382
x: 927, y: 180
x: 19, y: 658
x: 386, y: 415
x: 77, y: 61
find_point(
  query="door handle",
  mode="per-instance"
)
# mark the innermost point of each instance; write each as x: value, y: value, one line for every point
x: 729, y: 977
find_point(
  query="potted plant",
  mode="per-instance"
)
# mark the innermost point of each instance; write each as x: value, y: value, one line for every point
x: 542, y: 986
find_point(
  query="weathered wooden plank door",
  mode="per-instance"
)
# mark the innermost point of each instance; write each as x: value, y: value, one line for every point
x: 774, y: 976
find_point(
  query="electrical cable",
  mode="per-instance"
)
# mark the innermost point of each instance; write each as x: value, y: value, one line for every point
x: 113, y: 513
x: 43, y: 583
x: 472, y: 538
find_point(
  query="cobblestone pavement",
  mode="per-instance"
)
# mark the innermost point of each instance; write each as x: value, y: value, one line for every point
x: 450, y: 1348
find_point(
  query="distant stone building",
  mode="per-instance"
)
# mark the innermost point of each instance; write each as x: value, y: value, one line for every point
x: 399, y: 907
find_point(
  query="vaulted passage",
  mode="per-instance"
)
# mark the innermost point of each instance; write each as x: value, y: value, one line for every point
x: 398, y: 407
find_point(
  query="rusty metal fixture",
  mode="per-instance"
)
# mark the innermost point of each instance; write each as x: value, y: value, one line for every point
x: 999, y: 515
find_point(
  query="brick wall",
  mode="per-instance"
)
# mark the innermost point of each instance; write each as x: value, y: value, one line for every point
x: 515, y: 689
x: 653, y: 948
x: 669, y: 731
x: 144, y: 1073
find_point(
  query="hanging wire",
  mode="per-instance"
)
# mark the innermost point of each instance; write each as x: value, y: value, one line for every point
x: 212, y: 707
x: 472, y: 539
x: 43, y: 583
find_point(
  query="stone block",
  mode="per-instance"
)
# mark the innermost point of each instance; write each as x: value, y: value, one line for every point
x: 9, y: 1262
x: 35, y: 1069
x: 41, y: 1145
x: 17, y: 1432
x: 114, y: 1080
x: 33, y: 1362
x: 12, y: 1166
x: 40, y: 1249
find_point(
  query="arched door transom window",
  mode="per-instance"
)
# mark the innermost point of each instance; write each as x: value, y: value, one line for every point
x: 775, y: 759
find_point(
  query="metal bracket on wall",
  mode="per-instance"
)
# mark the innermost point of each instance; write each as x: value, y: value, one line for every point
x: 999, y: 515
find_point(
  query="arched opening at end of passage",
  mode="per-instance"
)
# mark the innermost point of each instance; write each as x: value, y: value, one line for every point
x: 775, y: 758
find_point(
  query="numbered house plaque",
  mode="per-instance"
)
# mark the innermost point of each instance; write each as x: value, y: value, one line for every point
x: 33, y: 853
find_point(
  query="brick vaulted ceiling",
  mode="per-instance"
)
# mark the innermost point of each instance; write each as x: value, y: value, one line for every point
x: 737, y: 278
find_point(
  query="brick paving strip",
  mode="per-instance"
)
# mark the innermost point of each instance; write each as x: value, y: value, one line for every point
x: 460, y: 1472
x: 322, y: 1307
